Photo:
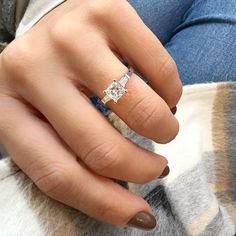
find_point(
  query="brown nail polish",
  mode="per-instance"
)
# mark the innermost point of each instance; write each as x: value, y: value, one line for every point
x: 165, y: 172
x: 143, y: 220
x: 174, y: 110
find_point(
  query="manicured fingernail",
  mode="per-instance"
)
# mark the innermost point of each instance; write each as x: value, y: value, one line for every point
x: 165, y: 172
x: 143, y: 220
x: 174, y: 110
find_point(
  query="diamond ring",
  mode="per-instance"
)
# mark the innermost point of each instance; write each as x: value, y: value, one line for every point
x: 117, y: 88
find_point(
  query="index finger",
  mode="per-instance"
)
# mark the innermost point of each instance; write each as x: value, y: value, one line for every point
x: 41, y: 154
x: 90, y: 135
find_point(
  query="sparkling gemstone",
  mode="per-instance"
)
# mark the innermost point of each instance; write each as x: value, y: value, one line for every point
x: 115, y: 91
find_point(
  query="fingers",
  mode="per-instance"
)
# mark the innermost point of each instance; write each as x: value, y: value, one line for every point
x: 95, y: 67
x: 90, y: 135
x: 143, y: 50
x: 45, y: 158
x: 141, y: 108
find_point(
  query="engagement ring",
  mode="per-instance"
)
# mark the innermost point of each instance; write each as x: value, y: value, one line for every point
x: 117, y: 88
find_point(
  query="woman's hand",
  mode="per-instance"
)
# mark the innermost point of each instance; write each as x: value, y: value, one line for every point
x: 54, y: 133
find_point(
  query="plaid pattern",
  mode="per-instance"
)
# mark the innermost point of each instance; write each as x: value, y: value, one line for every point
x: 224, y: 133
x: 197, y: 198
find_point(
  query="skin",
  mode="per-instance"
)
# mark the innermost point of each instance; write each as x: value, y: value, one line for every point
x: 48, y: 124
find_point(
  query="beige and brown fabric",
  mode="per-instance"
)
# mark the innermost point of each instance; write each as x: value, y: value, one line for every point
x: 198, y: 198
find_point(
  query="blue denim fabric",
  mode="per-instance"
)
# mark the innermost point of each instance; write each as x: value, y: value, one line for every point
x: 99, y: 105
x: 199, y: 34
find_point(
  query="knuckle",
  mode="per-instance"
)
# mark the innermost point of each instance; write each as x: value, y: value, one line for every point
x: 104, y: 9
x: 52, y: 180
x: 59, y: 33
x: 66, y: 26
x: 99, y: 7
x: 16, y: 55
x: 102, y: 156
x: 145, y: 113
x: 17, y: 59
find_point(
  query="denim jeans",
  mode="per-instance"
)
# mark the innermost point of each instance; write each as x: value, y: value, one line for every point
x: 199, y: 34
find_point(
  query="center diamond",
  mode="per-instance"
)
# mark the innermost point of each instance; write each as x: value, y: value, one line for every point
x: 115, y: 91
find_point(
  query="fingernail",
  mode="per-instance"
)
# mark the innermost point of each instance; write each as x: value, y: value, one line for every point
x: 143, y: 220
x: 165, y: 172
x: 174, y: 110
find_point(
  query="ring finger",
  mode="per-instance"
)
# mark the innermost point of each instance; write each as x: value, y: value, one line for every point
x: 141, y: 108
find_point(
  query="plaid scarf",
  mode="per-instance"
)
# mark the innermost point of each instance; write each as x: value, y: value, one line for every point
x: 197, y: 198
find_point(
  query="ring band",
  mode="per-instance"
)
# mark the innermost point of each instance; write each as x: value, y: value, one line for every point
x: 117, y: 88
